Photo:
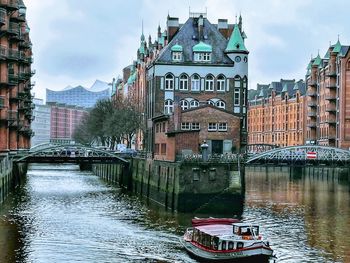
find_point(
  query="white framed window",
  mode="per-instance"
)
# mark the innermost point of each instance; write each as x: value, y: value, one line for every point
x: 209, y: 83
x: 195, y: 83
x: 236, y: 97
x: 244, y: 96
x: 184, y: 104
x: 169, y: 82
x: 194, y: 103
x: 221, y: 83
x: 210, y: 102
x: 185, y: 126
x: 222, y: 126
x: 202, y: 56
x: 212, y: 126
x: 195, y: 126
x: 183, y: 82
x: 220, y: 104
x: 168, y: 107
x: 177, y: 56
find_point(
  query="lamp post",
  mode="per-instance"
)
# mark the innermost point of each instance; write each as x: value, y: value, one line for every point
x: 204, y: 148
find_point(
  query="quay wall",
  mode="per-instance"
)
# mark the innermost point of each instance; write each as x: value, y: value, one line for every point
x: 178, y: 186
x: 11, y: 175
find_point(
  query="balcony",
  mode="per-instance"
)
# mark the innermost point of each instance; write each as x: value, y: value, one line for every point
x: 312, y: 114
x: 330, y: 120
x: 332, y: 137
x: 9, y: 4
x: 11, y: 115
x: 331, y: 86
x: 330, y: 97
x: 12, y: 79
x: 311, y: 124
x: 14, y: 95
x: 312, y: 104
x: 312, y: 93
x: 3, y: 52
x: 331, y: 74
x: 13, y: 29
x: 18, y: 17
x: 312, y: 83
x: 25, y: 44
x: 331, y: 108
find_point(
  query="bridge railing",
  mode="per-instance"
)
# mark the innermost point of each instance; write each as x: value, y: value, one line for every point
x: 212, y: 158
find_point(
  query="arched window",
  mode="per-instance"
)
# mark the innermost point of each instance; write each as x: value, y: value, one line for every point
x: 195, y: 83
x: 221, y: 83
x: 210, y: 102
x: 209, y: 83
x: 168, y: 107
x: 184, y: 104
x: 220, y: 104
x: 169, y: 82
x: 183, y: 82
x: 194, y: 103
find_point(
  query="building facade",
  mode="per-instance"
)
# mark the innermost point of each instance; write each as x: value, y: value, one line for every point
x: 80, y: 96
x: 64, y: 120
x: 328, y: 90
x: 277, y: 113
x: 189, y: 67
x: 15, y: 78
x: 41, y: 123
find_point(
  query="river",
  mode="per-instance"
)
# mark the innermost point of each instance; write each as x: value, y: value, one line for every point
x: 61, y: 214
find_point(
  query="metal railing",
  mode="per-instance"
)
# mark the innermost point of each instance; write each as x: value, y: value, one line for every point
x: 212, y: 158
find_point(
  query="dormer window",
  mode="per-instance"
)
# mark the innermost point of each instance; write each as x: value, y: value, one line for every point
x: 176, y: 52
x: 202, y: 52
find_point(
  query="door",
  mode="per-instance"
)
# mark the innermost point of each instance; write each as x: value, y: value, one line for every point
x: 216, y: 146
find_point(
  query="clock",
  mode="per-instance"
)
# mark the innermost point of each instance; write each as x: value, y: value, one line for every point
x: 238, y: 59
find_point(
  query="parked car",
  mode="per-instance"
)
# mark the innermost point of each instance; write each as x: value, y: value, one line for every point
x: 128, y: 152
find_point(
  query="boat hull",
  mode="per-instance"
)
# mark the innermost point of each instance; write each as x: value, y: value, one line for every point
x: 258, y: 252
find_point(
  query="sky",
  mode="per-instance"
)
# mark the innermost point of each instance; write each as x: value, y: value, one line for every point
x: 76, y: 42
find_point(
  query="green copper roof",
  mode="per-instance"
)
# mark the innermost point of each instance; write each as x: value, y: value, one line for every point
x: 261, y: 94
x: 236, y: 42
x: 296, y: 86
x: 132, y: 78
x: 317, y: 61
x: 337, y: 47
x: 161, y: 41
x: 285, y: 88
x: 202, y: 47
x: 177, y: 48
x: 142, y: 49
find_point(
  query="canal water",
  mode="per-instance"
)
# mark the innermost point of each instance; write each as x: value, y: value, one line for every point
x: 61, y: 214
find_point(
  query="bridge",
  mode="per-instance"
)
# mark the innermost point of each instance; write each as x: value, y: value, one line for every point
x: 301, y: 156
x: 68, y: 153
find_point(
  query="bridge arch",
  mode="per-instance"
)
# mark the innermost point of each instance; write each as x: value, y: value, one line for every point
x: 302, y: 154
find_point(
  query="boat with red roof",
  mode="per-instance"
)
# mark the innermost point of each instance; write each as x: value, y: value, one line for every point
x: 225, y: 239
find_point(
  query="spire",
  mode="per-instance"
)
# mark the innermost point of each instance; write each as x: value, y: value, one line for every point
x: 236, y: 42
x: 240, y: 23
x: 142, y: 35
x: 159, y: 31
x: 337, y: 46
x: 285, y: 88
x: 317, y: 61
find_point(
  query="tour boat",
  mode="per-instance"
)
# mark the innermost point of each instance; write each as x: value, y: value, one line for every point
x: 225, y: 239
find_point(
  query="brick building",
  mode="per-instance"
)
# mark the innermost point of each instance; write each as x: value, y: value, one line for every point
x: 328, y: 90
x: 64, y: 120
x: 277, y: 113
x: 15, y: 73
x: 201, y: 69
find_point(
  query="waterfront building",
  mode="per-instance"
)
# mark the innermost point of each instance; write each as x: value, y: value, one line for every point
x: 80, y: 96
x: 41, y: 123
x: 64, y: 119
x: 328, y: 85
x: 277, y: 113
x: 196, y: 80
x: 15, y: 78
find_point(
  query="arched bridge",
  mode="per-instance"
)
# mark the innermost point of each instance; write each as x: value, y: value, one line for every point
x: 69, y: 153
x: 302, y: 155
x: 259, y: 148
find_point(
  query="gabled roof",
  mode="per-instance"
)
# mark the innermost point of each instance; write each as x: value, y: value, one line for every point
x: 337, y: 47
x: 187, y: 37
x: 177, y: 48
x: 236, y: 42
x: 202, y: 47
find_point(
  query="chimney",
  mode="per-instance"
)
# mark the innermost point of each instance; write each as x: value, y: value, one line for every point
x: 177, y: 116
x: 223, y: 27
x: 172, y: 27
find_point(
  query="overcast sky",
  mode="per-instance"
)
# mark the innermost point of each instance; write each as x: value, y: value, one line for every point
x: 78, y: 41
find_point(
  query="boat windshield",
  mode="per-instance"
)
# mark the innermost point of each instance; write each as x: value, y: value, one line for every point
x: 246, y: 230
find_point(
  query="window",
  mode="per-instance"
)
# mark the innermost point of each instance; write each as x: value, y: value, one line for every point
x: 230, y: 245
x: 156, y: 148
x: 177, y: 56
x: 223, y: 245
x: 222, y: 126
x: 209, y: 83
x: 236, y: 97
x: 168, y: 107
x: 220, y: 104
x: 184, y: 104
x: 163, y: 148
x: 195, y: 126
x: 210, y: 102
x: 221, y: 83
x: 183, y: 82
x: 195, y: 83
x: 212, y: 126
x: 185, y: 126
x: 169, y: 82
x: 194, y: 103
x: 202, y: 56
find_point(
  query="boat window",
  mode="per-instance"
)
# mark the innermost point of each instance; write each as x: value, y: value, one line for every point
x: 239, y: 245
x: 215, y: 243
x: 230, y: 245
x: 223, y: 245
